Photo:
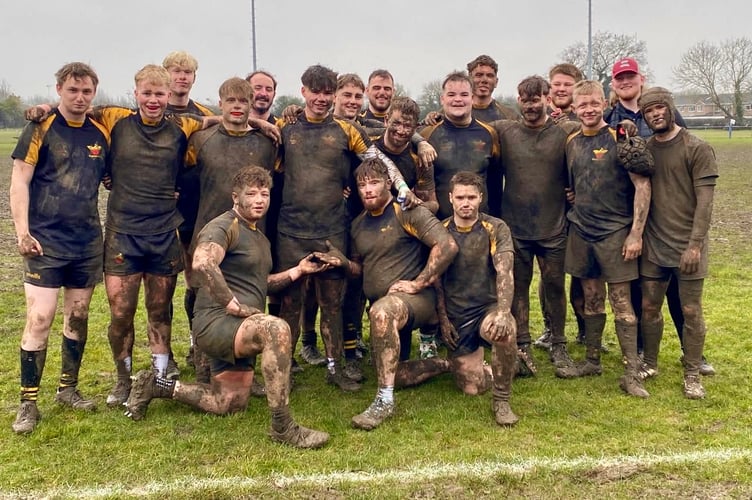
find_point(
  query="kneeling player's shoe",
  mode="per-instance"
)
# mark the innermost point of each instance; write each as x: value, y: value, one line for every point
x: 27, y: 418
x: 693, y: 389
x: 525, y: 361
x: 559, y: 356
x: 312, y: 356
x: 258, y: 390
x: 172, y: 372
x: 544, y: 341
x: 374, y: 415
x: 647, y: 372
x: 503, y: 413
x: 428, y: 349
x: 581, y: 369
x: 141, y: 395
x: 339, y: 379
x: 119, y: 394
x: 70, y: 396
x: 300, y: 437
x: 632, y: 385
x: 353, y: 371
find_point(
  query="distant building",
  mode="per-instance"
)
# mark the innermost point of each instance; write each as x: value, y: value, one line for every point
x: 699, y: 111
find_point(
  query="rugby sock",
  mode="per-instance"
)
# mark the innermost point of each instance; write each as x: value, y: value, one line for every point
x: 32, y: 366
x: 281, y: 418
x: 123, y: 368
x: 71, y: 351
x: 330, y: 364
x: 309, y: 337
x: 386, y: 394
x: 350, y: 336
x: 163, y: 387
x: 159, y: 362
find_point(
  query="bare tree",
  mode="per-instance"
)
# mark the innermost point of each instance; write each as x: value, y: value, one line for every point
x: 718, y: 69
x: 607, y: 49
x: 430, y: 98
x: 282, y: 101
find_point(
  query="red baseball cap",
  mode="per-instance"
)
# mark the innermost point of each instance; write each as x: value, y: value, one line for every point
x: 626, y: 65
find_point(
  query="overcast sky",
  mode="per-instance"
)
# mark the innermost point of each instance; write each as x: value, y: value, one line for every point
x: 417, y: 41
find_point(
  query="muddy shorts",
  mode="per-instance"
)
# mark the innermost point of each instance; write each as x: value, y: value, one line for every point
x: 53, y: 272
x: 215, y: 333
x: 600, y: 259
x: 126, y: 254
x: 291, y: 249
x: 469, y: 334
x: 421, y: 313
x: 654, y: 271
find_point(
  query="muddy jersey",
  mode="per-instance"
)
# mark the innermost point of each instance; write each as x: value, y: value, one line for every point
x: 408, y: 162
x: 367, y: 114
x: 534, y: 164
x: 473, y: 148
x: 318, y: 158
x: 604, y: 193
x: 69, y: 162
x: 470, y: 280
x: 188, y: 183
x: 392, y: 245
x: 218, y: 155
x: 494, y: 111
x: 144, y: 162
x: 245, y: 266
x: 681, y: 164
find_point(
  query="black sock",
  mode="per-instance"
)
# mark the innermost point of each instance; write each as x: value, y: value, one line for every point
x: 32, y: 366
x: 71, y: 351
x: 281, y: 418
x: 309, y: 338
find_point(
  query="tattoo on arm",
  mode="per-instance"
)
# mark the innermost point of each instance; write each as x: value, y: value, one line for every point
x: 442, y: 254
x: 394, y: 173
x: 206, y: 260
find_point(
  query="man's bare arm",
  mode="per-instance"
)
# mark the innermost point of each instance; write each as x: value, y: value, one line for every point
x: 690, y: 259
x: 28, y: 246
x: 633, y: 244
x: 206, y: 260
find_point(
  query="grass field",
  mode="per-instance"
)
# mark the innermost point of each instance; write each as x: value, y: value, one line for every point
x: 575, y: 439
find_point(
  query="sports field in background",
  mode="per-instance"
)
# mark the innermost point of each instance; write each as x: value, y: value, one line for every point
x: 575, y: 439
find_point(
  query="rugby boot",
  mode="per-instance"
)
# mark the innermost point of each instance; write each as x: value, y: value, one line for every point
x: 559, y: 356
x: 172, y: 372
x: 353, y: 370
x: 630, y: 382
x: 147, y: 386
x: 652, y: 333
x: 544, y: 341
x: 312, y: 355
x: 27, y: 418
x: 693, y: 389
x: 374, y: 415
x: 258, y: 390
x: 525, y: 361
x: 300, y: 437
x: 592, y: 365
x: 706, y: 369
x: 337, y: 377
x: 503, y: 413
x: 119, y: 393
x: 70, y: 396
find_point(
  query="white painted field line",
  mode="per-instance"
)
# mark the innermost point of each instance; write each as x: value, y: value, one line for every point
x: 427, y: 472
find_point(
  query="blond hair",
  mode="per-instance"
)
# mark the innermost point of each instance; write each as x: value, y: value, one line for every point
x: 152, y: 73
x: 180, y: 59
x: 588, y: 87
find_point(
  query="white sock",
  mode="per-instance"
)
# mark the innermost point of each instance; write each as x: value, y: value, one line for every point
x: 386, y: 394
x: 330, y: 364
x: 159, y: 361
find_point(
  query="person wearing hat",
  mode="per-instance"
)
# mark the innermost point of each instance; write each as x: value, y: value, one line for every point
x: 676, y: 233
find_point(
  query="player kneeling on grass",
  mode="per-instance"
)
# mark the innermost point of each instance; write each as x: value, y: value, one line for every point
x: 389, y: 248
x: 232, y: 261
x: 475, y: 298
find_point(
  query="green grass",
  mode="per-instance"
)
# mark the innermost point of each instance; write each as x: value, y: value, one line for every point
x: 441, y: 444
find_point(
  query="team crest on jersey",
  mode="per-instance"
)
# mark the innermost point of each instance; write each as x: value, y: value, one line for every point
x: 95, y: 150
x: 599, y: 154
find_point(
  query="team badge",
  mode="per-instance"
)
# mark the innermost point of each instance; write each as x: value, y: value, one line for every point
x: 95, y: 150
x: 598, y: 154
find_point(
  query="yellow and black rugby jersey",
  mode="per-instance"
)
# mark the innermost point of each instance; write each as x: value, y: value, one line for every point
x: 604, y: 193
x: 408, y: 163
x: 318, y: 158
x: 192, y: 108
x: 474, y: 148
x: 494, y: 111
x: 470, y: 280
x: 218, y: 155
x: 367, y: 114
x: 393, y: 245
x: 144, y: 163
x: 69, y: 160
